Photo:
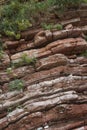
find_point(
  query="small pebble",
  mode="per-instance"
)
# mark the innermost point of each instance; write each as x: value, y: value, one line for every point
x: 46, y: 127
x: 40, y: 128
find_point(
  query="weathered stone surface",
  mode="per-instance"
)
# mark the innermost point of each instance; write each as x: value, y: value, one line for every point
x: 55, y: 87
x: 39, y: 41
x: 48, y: 35
x: 51, y: 61
x: 69, y: 46
x: 4, y: 61
x: 59, y: 34
x: 30, y: 33
x: 15, y: 73
x: 69, y: 26
x: 74, y: 21
x: 43, y: 38
x: 72, y: 45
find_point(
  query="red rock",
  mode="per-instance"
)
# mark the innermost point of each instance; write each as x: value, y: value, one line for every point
x: 70, y: 46
x: 29, y: 34
x: 69, y: 26
x: 59, y: 34
x: 55, y: 88
x: 48, y: 35
x: 4, y: 61
x: 74, y: 21
x: 40, y: 39
x: 51, y: 61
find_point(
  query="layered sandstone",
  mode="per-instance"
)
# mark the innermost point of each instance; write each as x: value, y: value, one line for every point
x: 55, y: 86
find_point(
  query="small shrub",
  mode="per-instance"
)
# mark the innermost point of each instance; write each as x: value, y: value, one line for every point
x: 18, y: 15
x: 51, y: 26
x: 63, y: 4
x: 12, y: 34
x: 84, y: 54
x: 16, y: 84
x: 13, y: 18
x: 9, y: 70
x: 24, y: 60
x: 9, y: 33
x: 23, y: 24
x: 47, y: 26
x: 58, y: 27
x: 17, y: 36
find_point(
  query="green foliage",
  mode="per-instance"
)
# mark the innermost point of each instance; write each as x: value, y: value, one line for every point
x: 23, y: 24
x: 84, y: 54
x: 85, y: 1
x: 47, y: 26
x: 16, y: 16
x: 19, y: 15
x: 17, y: 36
x: 16, y: 84
x: 58, y: 26
x: 10, y: 33
x: 9, y: 70
x: 13, y: 19
x: 51, y: 26
x: 66, y: 3
x: 24, y: 60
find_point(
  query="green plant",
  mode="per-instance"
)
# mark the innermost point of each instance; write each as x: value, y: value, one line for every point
x: 27, y: 60
x: 13, y: 34
x: 52, y: 26
x: 62, y: 4
x: 24, y: 60
x: 47, y: 26
x: 23, y: 24
x: 16, y: 84
x: 85, y: 1
x: 13, y: 18
x: 17, y: 36
x: 58, y: 27
x: 9, y: 33
x: 19, y: 15
x: 84, y: 54
x: 9, y: 70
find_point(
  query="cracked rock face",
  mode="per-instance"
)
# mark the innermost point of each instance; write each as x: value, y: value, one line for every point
x: 54, y: 96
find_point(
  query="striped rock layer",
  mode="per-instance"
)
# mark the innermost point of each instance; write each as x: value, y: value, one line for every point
x: 55, y: 86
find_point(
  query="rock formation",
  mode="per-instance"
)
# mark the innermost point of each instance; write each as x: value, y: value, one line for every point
x: 55, y: 86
